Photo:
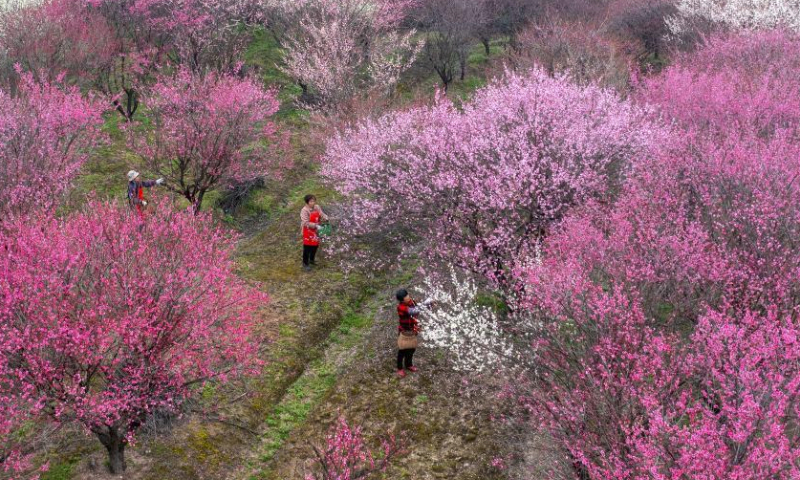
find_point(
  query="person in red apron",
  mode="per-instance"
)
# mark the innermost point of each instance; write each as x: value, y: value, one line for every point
x: 311, y: 216
x: 136, y: 191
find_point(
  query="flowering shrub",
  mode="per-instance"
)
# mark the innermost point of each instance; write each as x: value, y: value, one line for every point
x: 738, y: 14
x: 51, y: 38
x: 346, y: 457
x: 336, y: 49
x: 576, y: 50
x: 471, y: 332
x: 201, y: 35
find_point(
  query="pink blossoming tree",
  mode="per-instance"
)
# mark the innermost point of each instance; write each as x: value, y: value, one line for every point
x: 480, y: 185
x: 46, y: 133
x: 139, y: 49
x: 202, y: 35
x: 336, y: 49
x: 748, y: 81
x: 670, y: 340
x: 668, y: 344
x: 53, y: 38
x: 104, y: 320
x: 208, y: 130
x: 347, y: 457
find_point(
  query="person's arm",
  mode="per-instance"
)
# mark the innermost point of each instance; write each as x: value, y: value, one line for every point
x: 152, y: 183
x: 322, y: 215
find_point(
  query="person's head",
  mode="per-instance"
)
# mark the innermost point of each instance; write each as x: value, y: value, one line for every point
x: 133, y: 176
x: 311, y: 200
x: 403, y: 296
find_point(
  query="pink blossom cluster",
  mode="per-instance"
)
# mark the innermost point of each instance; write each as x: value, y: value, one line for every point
x: 201, y: 34
x: 481, y: 183
x: 47, y: 132
x: 746, y: 81
x: 337, y: 49
x: 208, y: 130
x: 105, y: 320
x: 346, y: 456
x: 56, y: 37
x: 669, y: 339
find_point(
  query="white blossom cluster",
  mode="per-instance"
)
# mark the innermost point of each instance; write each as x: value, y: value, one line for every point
x: 471, y: 333
x: 738, y: 14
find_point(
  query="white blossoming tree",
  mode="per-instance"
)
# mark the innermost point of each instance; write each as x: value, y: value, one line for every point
x: 738, y: 14
x: 472, y: 333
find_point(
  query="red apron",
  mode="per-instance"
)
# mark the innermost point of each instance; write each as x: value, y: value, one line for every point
x: 140, y: 194
x: 310, y: 236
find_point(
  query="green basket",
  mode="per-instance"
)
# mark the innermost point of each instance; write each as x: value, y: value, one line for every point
x: 324, y: 230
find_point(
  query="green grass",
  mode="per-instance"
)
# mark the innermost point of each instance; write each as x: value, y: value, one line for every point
x: 59, y: 471
x: 265, y: 54
x: 295, y: 407
x: 307, y: 392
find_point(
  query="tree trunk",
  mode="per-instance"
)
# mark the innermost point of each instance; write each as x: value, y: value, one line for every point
x: 133, y: 102
x: 513, y: 42
x: 115, y: 443
x: 198, y: 202
x: 486, y: 46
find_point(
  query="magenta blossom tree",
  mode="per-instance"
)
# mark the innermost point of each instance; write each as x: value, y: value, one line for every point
x: 139, y: 48
x: 199, y: 35
x: 208, y: 131
x: 667, y: 341
x: 202, y: 34
x: 105, y: 320
x: 748, y: 80
x: 480, y: 185
x: 46, y: 133
x: 345, y: 455
x: 669, y: 338
x: 55, y: 37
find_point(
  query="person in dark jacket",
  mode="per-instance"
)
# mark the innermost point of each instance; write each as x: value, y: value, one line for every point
x: 136, y: 188
x: 408, y: 331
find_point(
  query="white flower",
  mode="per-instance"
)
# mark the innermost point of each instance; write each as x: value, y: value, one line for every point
x: 470, y: 332
x: 739, y: 14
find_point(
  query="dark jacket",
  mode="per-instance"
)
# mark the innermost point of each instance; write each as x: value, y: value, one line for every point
x: 408, y: 317
x: 135, y: 191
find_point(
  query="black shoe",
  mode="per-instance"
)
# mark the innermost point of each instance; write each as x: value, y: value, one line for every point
x: 307, y: 268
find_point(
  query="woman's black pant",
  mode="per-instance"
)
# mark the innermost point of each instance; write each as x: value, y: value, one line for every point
x: 405, y: 356
x: 309, y: 253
